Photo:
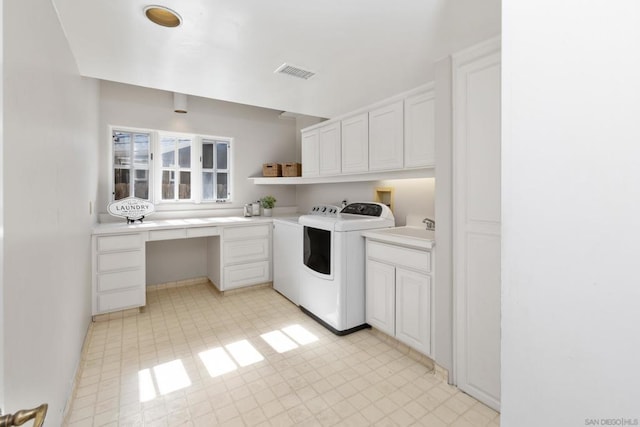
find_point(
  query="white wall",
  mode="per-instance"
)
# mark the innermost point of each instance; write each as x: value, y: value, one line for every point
x: 50, y: 144
x: 571, y: 209
x: 174, y: 260
x: 260, y: 136
x: 415, y: 196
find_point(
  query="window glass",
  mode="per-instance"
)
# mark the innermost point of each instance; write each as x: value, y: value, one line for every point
x: 207, y: 155
x: 141, y: 149
x: 121, y: 149
x: 222, y: 185
x: 207, y: 186
x: 221, y: 154
x: 168, y: 183
x: 184, y: 153
x: 185, y: 185
x: 215, y: 170
x: 121, y: 178
x: 168, y: 152
x: 131, y: 160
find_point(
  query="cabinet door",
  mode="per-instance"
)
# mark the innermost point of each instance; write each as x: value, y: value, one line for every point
x: 477, y: 222
x: 419, y: 130
x: 386, y: 134
x: 329, y: 149
x: 380, y: 296
x: 355, y: 144
x: 310, y: 160
x: 413, y: 309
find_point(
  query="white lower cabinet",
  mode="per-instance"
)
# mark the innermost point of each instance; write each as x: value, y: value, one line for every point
x: 118, y: 272
x: 398, y: 293
x: 413, y: 313
x: 380, y: 296
x: 245, y: 256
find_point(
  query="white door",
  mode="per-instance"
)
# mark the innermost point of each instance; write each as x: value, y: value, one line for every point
x: 380, y: 296
x: 413, y: 309
x: 476, y: 231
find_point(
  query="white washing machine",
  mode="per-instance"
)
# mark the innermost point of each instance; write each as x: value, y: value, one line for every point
x: 332, y: 289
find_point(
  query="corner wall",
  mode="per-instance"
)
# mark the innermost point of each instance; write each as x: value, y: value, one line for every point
x: 571, y: 209
x: 50, y: 118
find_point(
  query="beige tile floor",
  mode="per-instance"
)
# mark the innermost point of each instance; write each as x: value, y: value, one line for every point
x: 194, y: 357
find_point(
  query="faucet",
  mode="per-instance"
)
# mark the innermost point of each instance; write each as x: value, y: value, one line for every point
x: 429, y: 223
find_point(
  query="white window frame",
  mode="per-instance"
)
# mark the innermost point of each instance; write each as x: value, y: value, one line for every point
x: 155, y: 166
x: 216, y: 140
x: 112, y: 166
x: 176, y: 168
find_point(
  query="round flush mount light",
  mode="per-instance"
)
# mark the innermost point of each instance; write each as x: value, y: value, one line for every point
x: 162, y: 16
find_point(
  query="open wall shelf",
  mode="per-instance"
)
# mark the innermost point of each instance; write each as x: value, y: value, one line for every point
x: 370, y: 176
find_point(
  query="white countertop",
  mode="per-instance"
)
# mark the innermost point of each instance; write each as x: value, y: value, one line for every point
x: 412, y: 237
x: 167, y: 224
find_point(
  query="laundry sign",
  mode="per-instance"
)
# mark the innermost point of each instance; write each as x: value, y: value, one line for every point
x: 131, y: 208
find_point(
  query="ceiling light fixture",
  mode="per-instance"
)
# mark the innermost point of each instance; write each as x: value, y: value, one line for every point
x: 179, y: 102
x: 162, y: 16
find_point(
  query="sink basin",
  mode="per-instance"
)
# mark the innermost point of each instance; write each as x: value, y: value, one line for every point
x: 407, y: 236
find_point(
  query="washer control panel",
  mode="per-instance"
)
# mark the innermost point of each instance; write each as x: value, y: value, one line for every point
x: 325, y: 210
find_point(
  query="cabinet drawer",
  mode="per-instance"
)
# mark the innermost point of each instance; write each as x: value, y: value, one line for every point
x: 404, y: 257
x: 121, y: 300
x: 251, y: 231
x: 236, y: 276
x: 203, y: 231
x: 120, y: 280
x: 245, y: 250
x: 120, y: 261
x: 176, y: 233
x: 120, y: 242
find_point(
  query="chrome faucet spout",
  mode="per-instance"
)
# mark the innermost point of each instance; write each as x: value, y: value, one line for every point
x: 429, y: 223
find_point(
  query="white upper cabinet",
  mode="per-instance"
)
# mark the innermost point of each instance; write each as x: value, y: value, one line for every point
x: 389, y: 137
x: 329, y: 151
x: 310, y: 157
x: 386, y: 137
x: 419, y: 130
x: 355, y: 144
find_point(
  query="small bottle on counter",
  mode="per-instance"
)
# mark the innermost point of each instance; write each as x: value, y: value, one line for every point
x: 255, y: 208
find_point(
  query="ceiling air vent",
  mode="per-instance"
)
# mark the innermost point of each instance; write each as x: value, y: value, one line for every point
x: 294, y: 71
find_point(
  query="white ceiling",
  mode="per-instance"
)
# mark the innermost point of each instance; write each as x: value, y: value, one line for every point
x: 362, y: 50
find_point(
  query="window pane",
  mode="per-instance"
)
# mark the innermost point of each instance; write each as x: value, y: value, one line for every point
x: 167, y: 185
x: 141, y: 149
x: 184, y: 153
x: 121, y: 181
x: 222, y: 186
x: 207, y: 186
x: 222, y: 153
x: 121, y: 149
x: 141, y: 184
x: 167, y: 150
x: 207, y: 156
x: 185, y: 185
